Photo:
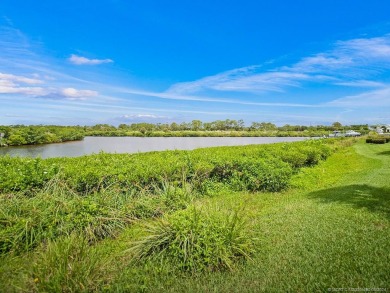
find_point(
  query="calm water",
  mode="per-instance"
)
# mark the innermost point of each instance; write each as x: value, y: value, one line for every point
x: 92, y: 145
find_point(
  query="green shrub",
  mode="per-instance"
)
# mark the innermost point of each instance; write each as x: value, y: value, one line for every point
x: 195, y: 240
x: 379, y: 140
x: 129, y: 173
x: 263, y: 175
x: 25, y: 174
x: 295, y: 158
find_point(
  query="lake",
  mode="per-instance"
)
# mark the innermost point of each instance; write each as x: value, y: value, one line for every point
x: 118, y: 145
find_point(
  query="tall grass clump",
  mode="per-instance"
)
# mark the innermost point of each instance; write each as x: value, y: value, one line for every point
x: 57, y: 211
x: 194, y: 240
x: 68, y: 264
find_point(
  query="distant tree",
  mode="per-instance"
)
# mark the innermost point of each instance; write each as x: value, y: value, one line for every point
x: 240, y: 125
x: 207, y: 126
x: 174, y: 126
x: 185, y: 126
x: 103, y: 127
x: 196, y: 125
x: 336, y: 125
x: 267, y: 126
x: 254, y: 126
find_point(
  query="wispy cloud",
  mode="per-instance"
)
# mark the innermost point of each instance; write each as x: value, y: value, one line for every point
x: 10, y: 89
x: 17, y: 84
x: 20, y: 55
x: 362, y: 83
x: 14, y: 43
x: 79, y: 60
x: 139, y: 118
x: 348, y: 63
x: 370, y: 99
x: 183, y: 97
x: 22, y: 85
x: 242, y: 79
x: 69, y: 94
x: 349, y: 59
x: 368, y: 48
x: 16, y: 78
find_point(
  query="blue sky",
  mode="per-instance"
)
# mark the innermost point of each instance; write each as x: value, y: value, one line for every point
x: 303, y: 62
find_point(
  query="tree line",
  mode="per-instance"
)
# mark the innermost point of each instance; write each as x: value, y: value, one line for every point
x: 14, y: 135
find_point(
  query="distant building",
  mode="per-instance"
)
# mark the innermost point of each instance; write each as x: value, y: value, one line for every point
x: 383, y: 128
x: 352, y: 133
x: 336, y: 133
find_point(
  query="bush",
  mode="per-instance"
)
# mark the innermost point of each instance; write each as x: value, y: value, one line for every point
x: 262, y: 175
x: 376, y: 140
x: 129, y: 173
x: 195, y: 240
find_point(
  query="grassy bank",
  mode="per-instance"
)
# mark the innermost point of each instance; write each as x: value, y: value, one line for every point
x: 328, y: 228
x: 331, y: 232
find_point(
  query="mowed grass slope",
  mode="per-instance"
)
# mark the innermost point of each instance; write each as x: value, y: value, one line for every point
x: 332, y: 232
x: 330, y: 229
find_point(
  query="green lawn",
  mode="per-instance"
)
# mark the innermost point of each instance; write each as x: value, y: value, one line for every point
x: 333, y: 232
x: 330, y: 230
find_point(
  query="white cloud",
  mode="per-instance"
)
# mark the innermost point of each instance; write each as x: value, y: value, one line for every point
x: 375, y: 98
x: 76, y: 94
x: 364, y: 56
x: 348, y: 63
x: 136, y: 118
x: 68, y: 94
x: 79, y: 60
x: 361, y: 83
x: 322, y: 62
x: 16, y: 84
x: 47, y: 93
x: 269, y: 81
x: 183, y: 97
x: 367, y: 48
x: 18, y: 78
x: 211, y: 81
x: 31, y: 91
x: 149, y: 116
x: 241, y: 79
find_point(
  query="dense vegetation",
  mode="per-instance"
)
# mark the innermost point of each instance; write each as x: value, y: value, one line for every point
x: 195, y: 220
x: 100, y: 194
x: 40, y: 134
x: 29, y: 135
x: 253, y: 167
